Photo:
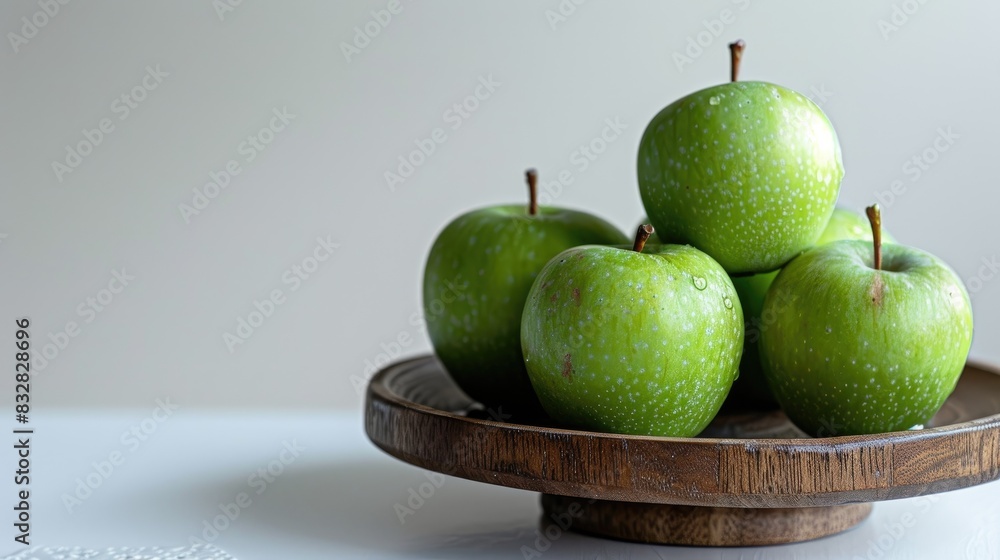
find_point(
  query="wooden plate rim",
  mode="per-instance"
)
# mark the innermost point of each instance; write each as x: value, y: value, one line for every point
x: 381, y: 394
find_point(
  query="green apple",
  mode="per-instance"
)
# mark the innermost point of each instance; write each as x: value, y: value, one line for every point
x: 847, y: 224
x: 622, y: 340
x: 748, y: 172
x: 478, y: 274
x: 865, y: 338
x: 750, y: 391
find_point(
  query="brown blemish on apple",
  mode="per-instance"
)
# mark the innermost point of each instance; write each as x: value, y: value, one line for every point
x: 576, y: 296
x: 554, y: 297
x: 567, y: 370
x: 878, y: 289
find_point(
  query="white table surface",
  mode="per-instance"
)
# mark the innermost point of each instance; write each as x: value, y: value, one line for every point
x: 337, y: 498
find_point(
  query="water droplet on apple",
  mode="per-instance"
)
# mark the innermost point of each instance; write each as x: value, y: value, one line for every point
x: 714, y: 100
x: 700, y: 282
x: 728, y: 303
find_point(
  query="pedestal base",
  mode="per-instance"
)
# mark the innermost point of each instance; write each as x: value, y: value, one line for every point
x: 700, y: 526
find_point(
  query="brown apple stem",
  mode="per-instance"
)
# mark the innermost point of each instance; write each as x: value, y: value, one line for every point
x: 532, y: 176
x: 875, y: 217
x: 735, y: 55
x: 641, y: 236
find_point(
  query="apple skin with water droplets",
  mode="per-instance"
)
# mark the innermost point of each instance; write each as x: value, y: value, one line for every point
x: 750, y: 391
x: 748, y: 172
x: 854, y: 350
x: 634, y: 343
x: 477, y: 277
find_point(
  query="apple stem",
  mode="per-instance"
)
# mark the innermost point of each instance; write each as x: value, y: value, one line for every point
x: 641, y: 236
x: 735, y: 55
x: 532, y: 177
x: 875, y: 217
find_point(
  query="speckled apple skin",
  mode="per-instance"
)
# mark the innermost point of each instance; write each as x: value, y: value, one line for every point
x: 846, y: 356
x: 625, y: 342
x: 748, y: 172
x: 750, y: 390
x: 477, y: 278
x: 847, y: 224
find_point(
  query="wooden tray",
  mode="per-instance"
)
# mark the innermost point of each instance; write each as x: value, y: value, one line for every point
x: 750, y: 479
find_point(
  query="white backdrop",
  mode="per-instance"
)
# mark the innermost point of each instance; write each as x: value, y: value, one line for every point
x: 116, y: 116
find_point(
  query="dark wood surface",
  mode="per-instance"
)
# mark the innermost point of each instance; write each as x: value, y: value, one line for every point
x: 415, y: 413
x: 699, y: 526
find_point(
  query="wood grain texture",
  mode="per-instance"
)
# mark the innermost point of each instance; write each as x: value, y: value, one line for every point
x: 699, y: 526
x: 414, y: 412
